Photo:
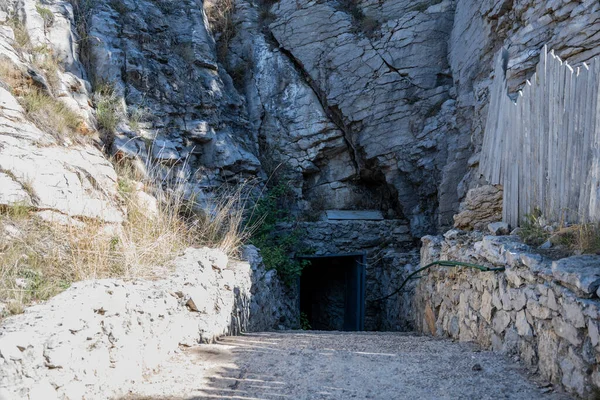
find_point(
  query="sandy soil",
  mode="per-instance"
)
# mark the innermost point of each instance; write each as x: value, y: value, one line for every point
x: 336, y: 365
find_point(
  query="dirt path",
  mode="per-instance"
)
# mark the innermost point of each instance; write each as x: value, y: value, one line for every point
x: 316, y: 365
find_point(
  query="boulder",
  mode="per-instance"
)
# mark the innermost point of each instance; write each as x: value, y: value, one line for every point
x: 499, y: 228
x: 579, y: 273
x: 482, y: 206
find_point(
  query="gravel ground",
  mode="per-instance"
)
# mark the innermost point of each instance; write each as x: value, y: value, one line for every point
x: 336, y: 365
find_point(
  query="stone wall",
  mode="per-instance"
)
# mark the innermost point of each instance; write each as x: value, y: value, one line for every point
x: 388, y: 246
x: 545, y: 313
x: 98, y: 338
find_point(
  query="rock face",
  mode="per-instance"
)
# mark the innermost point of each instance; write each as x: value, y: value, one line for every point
x: 380, y: 109
x: 38, y: 167
x: 362, y: 104
x: 545, y: 313
x: 362, y: 107
x: 482, y: 206
x: 161, y: 58
x: 98, y: 338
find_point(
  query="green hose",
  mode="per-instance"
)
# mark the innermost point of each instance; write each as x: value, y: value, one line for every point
x: 443, y: 264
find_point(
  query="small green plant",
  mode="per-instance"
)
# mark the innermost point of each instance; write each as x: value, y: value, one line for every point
x: 137, y: 115
x: 108, y: 107
x: 125, y: 187
x: 532, y: 229
x: 15, y: 211
x: 46, y: 14
x: 304, y: 322
x: 277, y: 246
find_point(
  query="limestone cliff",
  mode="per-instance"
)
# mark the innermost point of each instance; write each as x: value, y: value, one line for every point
x: 363, y: 104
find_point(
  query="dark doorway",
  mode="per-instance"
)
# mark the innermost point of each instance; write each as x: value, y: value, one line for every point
x: 332, y: 292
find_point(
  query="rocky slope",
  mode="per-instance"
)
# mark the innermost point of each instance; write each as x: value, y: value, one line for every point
x: 40, y: 166
x: 361, y: 104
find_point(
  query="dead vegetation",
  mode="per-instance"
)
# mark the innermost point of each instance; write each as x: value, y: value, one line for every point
x: 22, y: 39
x: 45, y: 111
x: 561, y: 239
x: 220, y: 17
x: 40, y: 259
x: 107, y: 103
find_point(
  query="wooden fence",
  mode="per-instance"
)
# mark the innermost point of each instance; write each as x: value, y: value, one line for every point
x: 544, y: 149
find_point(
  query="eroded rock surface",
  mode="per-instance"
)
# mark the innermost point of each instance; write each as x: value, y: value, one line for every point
x: 182, y: 109
x: 388, y: 94
x: 482, y: 206
x: 40, y: 168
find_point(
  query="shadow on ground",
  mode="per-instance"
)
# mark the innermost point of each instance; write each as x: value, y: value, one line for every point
x: 338, y: 365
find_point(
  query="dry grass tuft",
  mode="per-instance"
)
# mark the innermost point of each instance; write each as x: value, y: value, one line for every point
x: 220, y: 17
x: 566, y: 239
x: 50, y: 114
x: 22, y: 39
x: 11, y: 75
x: 39, y: 259
x: 579, y: 239
x: 45, y: 61
x: 47, y: 112
x: 33, y: 266
x: 108, y: 108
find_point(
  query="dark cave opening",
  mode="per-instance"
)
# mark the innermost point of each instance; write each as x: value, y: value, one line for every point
x: 332, y: 292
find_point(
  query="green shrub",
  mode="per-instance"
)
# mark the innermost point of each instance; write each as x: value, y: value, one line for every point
x: 304, y: 322
x: 108, y: 108
x: 277, y: 246
x: 532, y: 229
x: 46, y: 14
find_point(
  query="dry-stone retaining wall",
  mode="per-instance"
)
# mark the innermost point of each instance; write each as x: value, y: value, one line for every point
x: 545, y: 313
x: 388, y: 246
x: 97, y: 339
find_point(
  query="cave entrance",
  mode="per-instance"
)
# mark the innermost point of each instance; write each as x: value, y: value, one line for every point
x: 332, y: 292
